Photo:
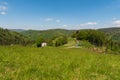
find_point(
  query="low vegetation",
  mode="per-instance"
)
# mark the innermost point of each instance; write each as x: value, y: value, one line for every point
x: 27, y: 63
x: 58, y: 41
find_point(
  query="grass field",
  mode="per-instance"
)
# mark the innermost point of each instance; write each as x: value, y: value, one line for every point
x: 28, y: 63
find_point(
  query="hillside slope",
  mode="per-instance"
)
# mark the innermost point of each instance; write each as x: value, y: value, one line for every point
x: 113, y: 33
x: 47, y: 34
x: 8, y: 37
x: 17, y: 30
x: 111, y: 30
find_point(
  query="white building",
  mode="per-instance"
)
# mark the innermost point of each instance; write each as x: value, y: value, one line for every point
x: 43, y: 44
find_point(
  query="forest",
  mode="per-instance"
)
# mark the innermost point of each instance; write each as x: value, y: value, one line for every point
x: 107, y: 38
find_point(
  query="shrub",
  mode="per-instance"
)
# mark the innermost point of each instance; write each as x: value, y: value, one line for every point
x: 59, y: 40
x: 93, y: 36
x: 39, y: 41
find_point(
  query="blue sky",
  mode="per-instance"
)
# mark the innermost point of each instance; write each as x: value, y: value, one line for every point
x: 67, y: 14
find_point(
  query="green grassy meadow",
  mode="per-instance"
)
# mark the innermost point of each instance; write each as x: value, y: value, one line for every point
x: 49, y: 63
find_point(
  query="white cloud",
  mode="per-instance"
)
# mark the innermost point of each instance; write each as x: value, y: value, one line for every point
x: 3, y: 3
x: 49, y: 19
x: 58, y: 21
x: 2, y: 8
x: 52, y: 20
x: 116, y: 23
x: 3, y: 13
x: 65, y: 25
x: 88, y: 24
x: 114, y: 18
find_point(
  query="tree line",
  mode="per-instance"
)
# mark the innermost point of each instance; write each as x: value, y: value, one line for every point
x: 8, y: 37
x: 93, y: 36
x: 97, y: 38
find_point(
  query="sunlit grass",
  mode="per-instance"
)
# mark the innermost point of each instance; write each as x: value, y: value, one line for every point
x: 27, y: 63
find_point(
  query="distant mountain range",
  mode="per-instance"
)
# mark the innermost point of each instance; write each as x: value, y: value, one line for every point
x: 47, y: 34
x: 17, y: 30
x: 21, y: 36
x: 114, y: 32
x: 110, y: 30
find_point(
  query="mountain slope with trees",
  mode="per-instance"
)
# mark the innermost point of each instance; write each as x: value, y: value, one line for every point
x: 46, y: 34
x: 34, y: 34
x: 8, y: 37
x: 111, y: 30
x: 113, y: 33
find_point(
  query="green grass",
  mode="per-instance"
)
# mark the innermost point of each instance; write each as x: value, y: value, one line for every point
x: 27, y: 63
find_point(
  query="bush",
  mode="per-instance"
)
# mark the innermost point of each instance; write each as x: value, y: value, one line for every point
x: 59, y: 41
x: 93, y: 36
x: 39, y: 41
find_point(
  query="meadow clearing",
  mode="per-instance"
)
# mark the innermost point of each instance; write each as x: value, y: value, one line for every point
x: 50, y: 63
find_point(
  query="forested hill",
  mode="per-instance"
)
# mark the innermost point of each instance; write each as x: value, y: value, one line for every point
x: 111, y: 30
x: 17, y: 30
x: 47, y: 34
x: 8, y: 37
x: 114, y: 33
